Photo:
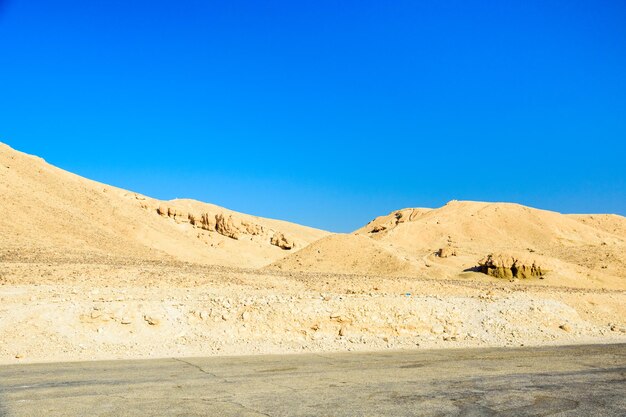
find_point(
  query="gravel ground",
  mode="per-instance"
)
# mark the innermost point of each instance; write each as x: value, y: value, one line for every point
x: 69, y: 311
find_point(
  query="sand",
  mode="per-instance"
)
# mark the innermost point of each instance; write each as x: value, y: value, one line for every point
x: 90, y: 271
x: 52, y: 213
x: 582, y: 251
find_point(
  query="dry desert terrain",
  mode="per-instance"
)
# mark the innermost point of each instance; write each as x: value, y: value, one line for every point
x: 90, y: 271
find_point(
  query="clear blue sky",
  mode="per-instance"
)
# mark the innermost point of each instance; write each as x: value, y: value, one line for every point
x: 325, y: 113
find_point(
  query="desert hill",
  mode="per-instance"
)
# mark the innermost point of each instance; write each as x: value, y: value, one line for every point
x: 349, y: 254
x: 49, y: 213
x: 89, y: 271
x: 578, y: 250
x: 610, y: 223
x: 490, y: 224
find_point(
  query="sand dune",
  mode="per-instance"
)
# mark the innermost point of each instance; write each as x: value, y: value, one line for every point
x: 49, y: 213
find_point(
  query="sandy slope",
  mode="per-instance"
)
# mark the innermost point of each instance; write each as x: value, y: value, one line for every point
x: 89, y: 271
x: 51, y: 213
x: 578, y: 250
x: 610, y: 223
x: 346, y: 254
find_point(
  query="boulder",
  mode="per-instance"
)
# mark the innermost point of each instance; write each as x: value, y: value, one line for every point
x: 282, y: 241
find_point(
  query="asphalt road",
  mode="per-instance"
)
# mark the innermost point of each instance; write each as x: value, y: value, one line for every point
x: 561, y: 381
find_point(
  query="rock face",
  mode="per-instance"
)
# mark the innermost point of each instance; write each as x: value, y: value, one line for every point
x: 226, y: 226
x: 178, y: 215
x: 505, y: 265
x: 207, y: 222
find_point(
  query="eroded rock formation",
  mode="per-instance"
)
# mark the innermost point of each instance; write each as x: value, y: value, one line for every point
x: 178, y: 215
x: 227, y: 225
x: 389, y: 222
x: 504, y: 265
x: 283, y: 242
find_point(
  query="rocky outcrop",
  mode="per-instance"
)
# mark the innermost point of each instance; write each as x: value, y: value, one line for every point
x: 205, y: 221
x: 504, y: 265
x: 227, y: 225
x: 178, y: 215
x: 283, y: 242
x: 251, y: 228
x: 389, y: 222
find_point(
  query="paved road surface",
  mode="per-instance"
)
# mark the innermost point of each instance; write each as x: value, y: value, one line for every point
x: 561, y: 381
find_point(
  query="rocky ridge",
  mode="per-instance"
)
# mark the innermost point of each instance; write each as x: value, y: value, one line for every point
x: 228, y: 225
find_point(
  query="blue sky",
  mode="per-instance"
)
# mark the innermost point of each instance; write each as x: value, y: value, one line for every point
x: 326, y: 113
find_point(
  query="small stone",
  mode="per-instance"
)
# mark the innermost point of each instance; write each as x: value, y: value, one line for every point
x: 343, y: 331
x: 338, y: 316
x: 446, y: 252
x: 125, y: 320
x: 245, y: 316
x: 450, y: 329
x: 437, y: 329
x: 18, y: 356
x: 152, y: 321
x: 565, y: 327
